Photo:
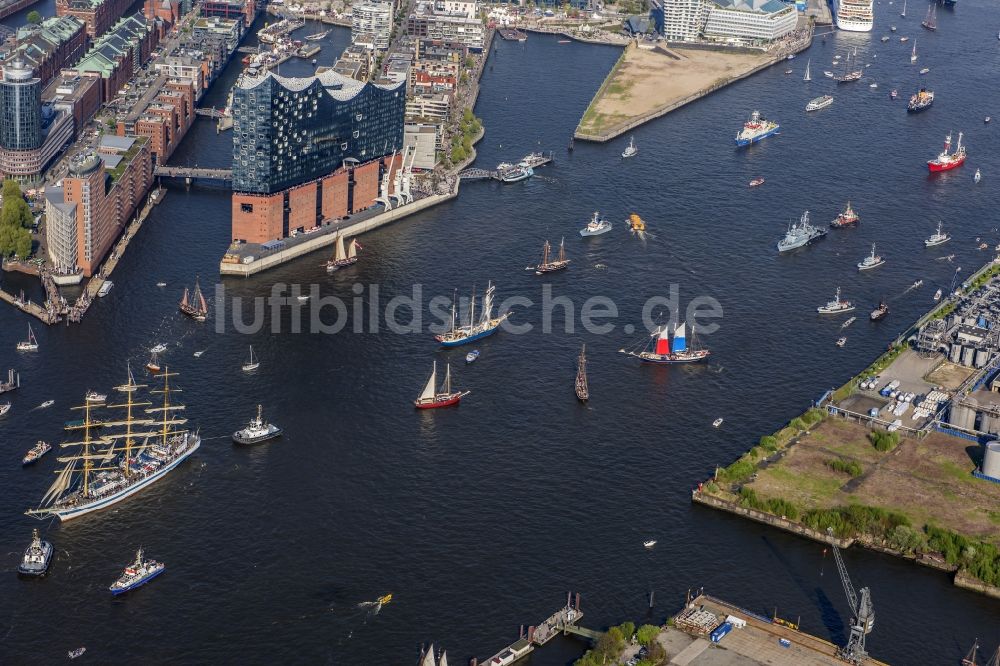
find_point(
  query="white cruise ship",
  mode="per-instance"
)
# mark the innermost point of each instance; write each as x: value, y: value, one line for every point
x: 854, y: 15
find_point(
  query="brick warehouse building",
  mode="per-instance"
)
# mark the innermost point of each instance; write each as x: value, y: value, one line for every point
x: 309, y: 149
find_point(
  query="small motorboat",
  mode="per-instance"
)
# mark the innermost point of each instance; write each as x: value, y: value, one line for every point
x: 937, y: 295
x: 154, y: 364
x: 47, y: 403
x: 873, y: 85
x: 848, y: 323
x: 198, y: 354
x: 756, y: 182
x: 987, y: 119
x: 841, y: 341
x: 893, y: 94
x: 892, y: 28
x: 73, y: 654
x: 4, y: 408
x: 301, y: 299
x: 717, y: 422
x: 788, y: 71
x: 650, y: 543
x: 94, y: 396
x: 977, y: 177
x: 158, y: 348
x: 35, y: 452
x: 925, y: 70
x: 918, y: 283
x: 472, y: 356
x: 161, y: 284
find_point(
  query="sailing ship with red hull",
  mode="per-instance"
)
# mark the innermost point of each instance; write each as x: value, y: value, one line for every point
x: 668, y: 351
x: 947, y: 161
x: 194, y: 305
x: 431, y: 398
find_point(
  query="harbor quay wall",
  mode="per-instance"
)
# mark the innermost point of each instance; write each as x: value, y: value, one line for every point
x: 768, y: 519
x: 300, y: 249
x: 676, y: 104
x: 967, y: 582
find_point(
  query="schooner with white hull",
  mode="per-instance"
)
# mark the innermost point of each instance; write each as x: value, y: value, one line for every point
x: 116, y: 465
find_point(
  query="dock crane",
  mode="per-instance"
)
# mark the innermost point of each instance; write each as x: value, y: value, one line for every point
x: 864, y: 614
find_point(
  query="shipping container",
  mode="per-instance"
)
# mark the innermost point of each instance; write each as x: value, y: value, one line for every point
x: 720, y: 631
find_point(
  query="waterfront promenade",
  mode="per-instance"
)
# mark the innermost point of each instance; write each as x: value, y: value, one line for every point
x: 647, y: 83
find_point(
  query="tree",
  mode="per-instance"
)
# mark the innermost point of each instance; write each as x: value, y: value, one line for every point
x: 22, y: 244
x: 647, y: 633
x: 627, y: 629
x: 34, y: 17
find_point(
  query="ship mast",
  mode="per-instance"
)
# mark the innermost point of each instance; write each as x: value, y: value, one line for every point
x: 166, y: 419
x: 129, y: 388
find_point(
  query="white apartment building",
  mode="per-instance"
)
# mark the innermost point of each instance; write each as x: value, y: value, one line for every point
x: 683, y: 20
x: 374, y: 18
x: 456, y: 8
x: 750, y: 20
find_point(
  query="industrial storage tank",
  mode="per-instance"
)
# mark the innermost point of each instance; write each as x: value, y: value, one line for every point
x: 991, y: 460
x: 982, y: 357
x: 967, y: 355
x: 955, y: 354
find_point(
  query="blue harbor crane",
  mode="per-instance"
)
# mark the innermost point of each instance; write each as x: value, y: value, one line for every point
x: 864, y: 614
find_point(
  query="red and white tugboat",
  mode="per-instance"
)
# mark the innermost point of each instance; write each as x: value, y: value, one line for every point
x: 947, y: 161
x: 431, y: 398
x: 846, y: 219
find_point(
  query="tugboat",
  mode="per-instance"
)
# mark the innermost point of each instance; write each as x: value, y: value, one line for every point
x: 880, y: 312
x: 31, y: 344
x: 94, y: 396
x: 921, y: 101
x: 756, y: 129
x: 257, y: 431
x: 946, y: 161
x: 195, y: 306
x: 846, y: 219
x: 37, y: 557
x: 667, y: 351
x: 474, y: 330
x: 431, y: 398
x: 549, y: 265
x: 630, y: 149
x: 342, y: 259
x: 937, y: 238
x: 597, y: 226
x: 819, y: 103
x: 136, y: 574
x: 800, y: 234
x: 871, y: 261
x: 581, y: 386
x: 836, y: 306
x: 35, y: 452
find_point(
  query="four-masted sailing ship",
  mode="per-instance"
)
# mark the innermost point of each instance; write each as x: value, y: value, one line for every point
x: 126, y: 456
x: 194, y: 306
x: 341, y: 258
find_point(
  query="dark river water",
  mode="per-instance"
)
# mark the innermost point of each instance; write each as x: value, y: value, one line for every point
x: 481, y: 518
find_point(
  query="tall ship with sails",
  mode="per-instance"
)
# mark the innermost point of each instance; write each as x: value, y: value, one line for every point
x: 342, y: 258
x: 126, y: 456
x: 476, y: 329
x: 854, y: 15
x: 667, y: 351
x: 193, y: 304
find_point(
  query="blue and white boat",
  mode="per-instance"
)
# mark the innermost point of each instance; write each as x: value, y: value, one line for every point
x: 597, y: 226
x: 476, y: 329
x: 472, y: 356
x: 130, y: 454
x: 756, y: 129
x: 513, y: 173
x: 136, y: 574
